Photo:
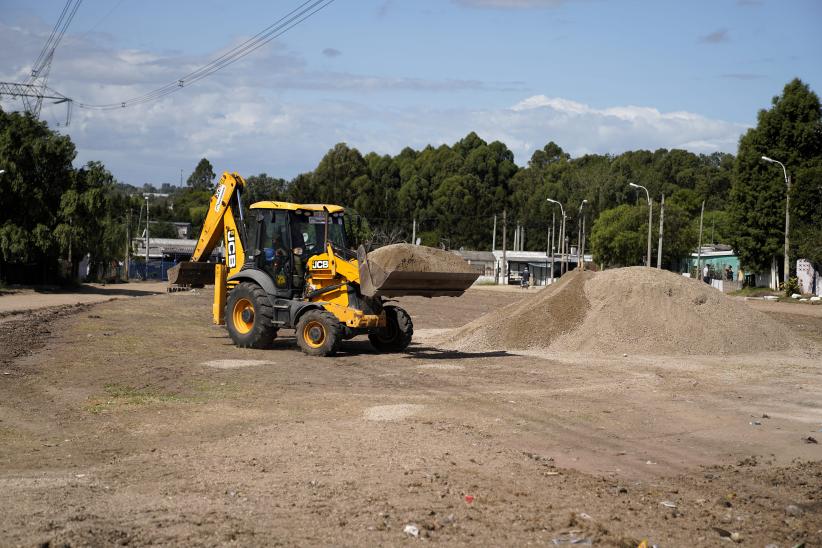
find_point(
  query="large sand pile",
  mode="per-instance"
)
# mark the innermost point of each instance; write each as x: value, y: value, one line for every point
x: 417, y: 258
x: 629, y: 310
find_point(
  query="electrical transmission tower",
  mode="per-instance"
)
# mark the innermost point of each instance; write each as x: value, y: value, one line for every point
x: 32, y: 97
x: 34, y: 89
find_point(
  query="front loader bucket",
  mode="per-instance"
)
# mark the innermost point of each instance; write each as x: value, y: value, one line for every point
x: 376, y: 282
x: 191, y: 273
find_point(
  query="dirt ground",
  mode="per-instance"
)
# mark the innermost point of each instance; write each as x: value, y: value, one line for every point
x: 14, y: 301
x: 137, y: 422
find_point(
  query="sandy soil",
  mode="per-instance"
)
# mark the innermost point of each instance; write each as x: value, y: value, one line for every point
x: 417, y: 258
x: 14, y: 301
x: 137, y: 422
x: 632, y: 311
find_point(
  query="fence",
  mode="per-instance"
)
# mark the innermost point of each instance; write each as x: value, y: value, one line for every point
x: 156, y: 270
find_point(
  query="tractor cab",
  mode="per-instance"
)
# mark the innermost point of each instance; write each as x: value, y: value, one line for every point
x: 288, y: 236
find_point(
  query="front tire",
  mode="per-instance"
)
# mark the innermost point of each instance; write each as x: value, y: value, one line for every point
x: 249, y: 317
x: 397, y: 333
x: 319, y: 333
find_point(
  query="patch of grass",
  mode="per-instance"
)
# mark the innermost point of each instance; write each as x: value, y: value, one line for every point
x: 754, y: 292
x: 208, y: 389
x: 117, y: 395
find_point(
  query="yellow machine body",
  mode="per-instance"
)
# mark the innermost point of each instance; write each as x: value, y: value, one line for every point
x: 265, y: 281
x: 327, y: 270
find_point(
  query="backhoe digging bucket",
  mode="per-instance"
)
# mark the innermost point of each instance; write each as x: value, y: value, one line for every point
x: 191, y: 273
x: 376, y: 282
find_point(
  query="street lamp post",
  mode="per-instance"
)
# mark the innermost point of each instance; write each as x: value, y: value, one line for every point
x: 147, y: 240
x: 580, y: 225
x: 553, y: 235
x: 562, y: 235
x: 650, y: 219
x: 787, y: 273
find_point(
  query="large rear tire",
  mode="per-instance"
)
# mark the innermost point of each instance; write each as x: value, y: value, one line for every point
x: 249, y: 317
x: 319, y: 333
x: 397, y: 334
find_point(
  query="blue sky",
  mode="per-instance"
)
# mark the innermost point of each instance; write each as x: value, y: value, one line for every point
x: 592, y: 75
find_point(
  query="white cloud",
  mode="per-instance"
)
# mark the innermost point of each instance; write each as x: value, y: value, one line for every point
x: 580, y: 128
x: 249, y: 119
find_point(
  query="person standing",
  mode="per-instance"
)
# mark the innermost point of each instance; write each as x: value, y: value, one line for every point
x: 706, y: 274
x: 526, y: 278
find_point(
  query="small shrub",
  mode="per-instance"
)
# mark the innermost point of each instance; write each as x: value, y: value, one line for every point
x: 791, y: 286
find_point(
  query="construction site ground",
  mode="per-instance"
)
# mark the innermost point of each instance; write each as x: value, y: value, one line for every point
x: 136, y: 421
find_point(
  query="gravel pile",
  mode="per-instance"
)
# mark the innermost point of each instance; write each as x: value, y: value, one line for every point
x: 417, y: 258
x: 629, y: 310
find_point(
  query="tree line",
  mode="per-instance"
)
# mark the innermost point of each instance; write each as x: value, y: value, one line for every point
x: 451, y: 193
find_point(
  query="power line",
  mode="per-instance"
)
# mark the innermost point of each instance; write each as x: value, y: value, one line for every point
x: 103, y: 18
x: 43, y: 61
x: 278, y: 28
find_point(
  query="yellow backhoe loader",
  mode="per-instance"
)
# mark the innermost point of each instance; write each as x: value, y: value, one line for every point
x: 290, y: 268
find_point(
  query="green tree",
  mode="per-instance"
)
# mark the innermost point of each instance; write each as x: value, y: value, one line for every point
x: 376, y: 193
x: 162, y: 229
x: 791, y: 132
x: 336, y: 173
x: 92, y: 219
x: 202, y: 178
x: 461, y: 205
x: 618, y: 237
x: 263, y: 187
x: 38, y: 170
x: 549, y: 154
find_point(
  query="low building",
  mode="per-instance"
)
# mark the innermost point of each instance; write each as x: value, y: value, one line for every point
x: 163, y: 253
x: 482, y: 261
x: 539, y: 265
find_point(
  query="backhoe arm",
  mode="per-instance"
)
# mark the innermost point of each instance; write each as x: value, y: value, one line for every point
x: 215, y: 222
x: 220, y: 223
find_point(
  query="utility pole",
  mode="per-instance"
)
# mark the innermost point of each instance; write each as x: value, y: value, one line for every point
x: 580, y: 225
x: 522, y: 238
x: 414, y: 233
x: 787, y: 273
x: 661, y: 217
x: 583, y: 242
x: 787, y: 267
x: 128, y: 241
x: 553, y: 231
x: 562, y: 245
x: 494, y: 235
x: 505, y: 245
x: 563, y: 240
x: 147, y: 241
x: 650, y: 220
x: 699, y: 247
x: 563, y: 263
